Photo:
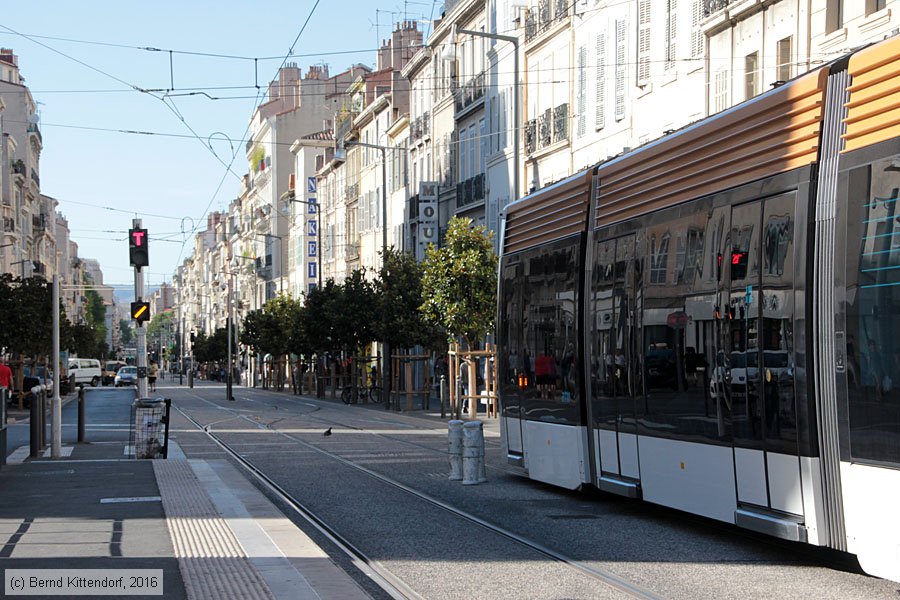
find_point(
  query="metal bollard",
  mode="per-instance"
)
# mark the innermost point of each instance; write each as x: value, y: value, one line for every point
x: 473, y: 453
x: 443, y: 397
x: 34, y: 437
x: 43, y: 418
x: 455, y: 438
x: 81, y: 409
x: 191, y: 378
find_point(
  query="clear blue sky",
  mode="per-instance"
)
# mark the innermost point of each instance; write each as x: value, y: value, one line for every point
x: 157, y: 176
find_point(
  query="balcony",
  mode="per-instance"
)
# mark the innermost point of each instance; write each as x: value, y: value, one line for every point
x: 421, y: 127
x: 530, y: 136
x: 470, y: 92
x: 351, y: 250
x: 351, y: 193
x: 18, y: 167
x: 539, y: 19
x: 710, y: 7
x: 33, y: 128
x: 9, y: 225
x: 551, y: 127
x: 470, y: 191
x: 35, y: 178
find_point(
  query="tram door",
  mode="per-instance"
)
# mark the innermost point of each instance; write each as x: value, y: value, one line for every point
x: 757, y: 347
x: 615, y: 364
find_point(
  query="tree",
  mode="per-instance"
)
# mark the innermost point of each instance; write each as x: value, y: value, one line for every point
x: 355, y: 317
x: 126, y: 333
x: 400, y: 321
x: 319, y: 317
x: 459, y: 284
x: 95, y: 314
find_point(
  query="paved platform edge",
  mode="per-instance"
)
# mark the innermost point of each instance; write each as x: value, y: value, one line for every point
x: 210, y: 505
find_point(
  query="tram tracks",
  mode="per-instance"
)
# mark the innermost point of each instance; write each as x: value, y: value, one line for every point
x: 383, y: 577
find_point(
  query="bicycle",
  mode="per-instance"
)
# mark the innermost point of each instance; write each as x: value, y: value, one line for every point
x: 371, y: 393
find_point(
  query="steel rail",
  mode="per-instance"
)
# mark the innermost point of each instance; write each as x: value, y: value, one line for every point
x: 600, y: 575
x: 381, y: 576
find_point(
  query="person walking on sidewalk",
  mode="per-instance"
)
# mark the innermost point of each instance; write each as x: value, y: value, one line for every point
x: 5, y: 374
x: 151, y: 376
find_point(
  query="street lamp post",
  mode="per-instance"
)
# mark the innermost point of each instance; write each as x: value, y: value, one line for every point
x: 515, y: 43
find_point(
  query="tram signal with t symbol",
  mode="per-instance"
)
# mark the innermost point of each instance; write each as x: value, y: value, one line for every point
x: 137, y: 248
x: 140, y: 311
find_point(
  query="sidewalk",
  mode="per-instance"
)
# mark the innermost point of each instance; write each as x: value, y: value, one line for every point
x: 200, y: 521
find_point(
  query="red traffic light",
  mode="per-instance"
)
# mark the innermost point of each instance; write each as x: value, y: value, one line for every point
x: 137, y: 248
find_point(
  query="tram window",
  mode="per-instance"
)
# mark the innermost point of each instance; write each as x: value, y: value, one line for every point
x: 540, y: 338
x: 677, y: 337
x: 873, y: 312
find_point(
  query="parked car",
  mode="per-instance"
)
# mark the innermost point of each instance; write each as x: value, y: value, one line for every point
x: 110, y: 369
x: 86, y: 370
x: 127, y: 375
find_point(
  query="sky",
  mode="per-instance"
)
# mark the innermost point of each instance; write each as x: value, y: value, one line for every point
x: 103, y: 177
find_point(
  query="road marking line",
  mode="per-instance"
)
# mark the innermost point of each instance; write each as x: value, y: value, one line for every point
x: 130, y: 499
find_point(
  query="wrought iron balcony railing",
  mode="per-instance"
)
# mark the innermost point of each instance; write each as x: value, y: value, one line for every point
x: 711, y: 7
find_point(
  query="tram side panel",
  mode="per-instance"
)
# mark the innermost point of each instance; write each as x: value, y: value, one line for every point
x: 541, y: 392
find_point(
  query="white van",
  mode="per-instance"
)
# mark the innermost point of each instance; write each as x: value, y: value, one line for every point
x: 85, y: 370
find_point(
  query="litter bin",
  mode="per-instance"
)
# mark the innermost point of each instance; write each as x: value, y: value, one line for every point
x: 150, y: 428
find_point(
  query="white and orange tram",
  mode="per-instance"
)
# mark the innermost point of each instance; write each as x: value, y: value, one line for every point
x: 712, y: 321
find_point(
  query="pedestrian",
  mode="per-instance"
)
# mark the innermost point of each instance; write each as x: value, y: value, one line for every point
x: 5, y: 374
x: 151, y: 376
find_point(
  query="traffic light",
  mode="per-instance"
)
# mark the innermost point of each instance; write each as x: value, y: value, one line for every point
x: 137, y: 248
x: 140, y: 311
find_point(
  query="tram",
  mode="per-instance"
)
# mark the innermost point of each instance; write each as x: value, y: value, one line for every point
x: 711, y: 322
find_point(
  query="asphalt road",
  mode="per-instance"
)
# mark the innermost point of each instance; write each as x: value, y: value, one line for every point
x: 341, y: 478
x: 107, y: 417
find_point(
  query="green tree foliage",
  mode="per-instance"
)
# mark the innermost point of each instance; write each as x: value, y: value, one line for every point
x: 460, y: 282
x: 214, y: 347
x: 95, y: 314
x: 126, y: 333
x: 319, y: 317
x: 26, y: 321
x: 357, y: 311
x: 160, y: 326
x: 399, y: 319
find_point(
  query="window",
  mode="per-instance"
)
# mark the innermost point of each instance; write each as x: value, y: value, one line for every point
x: 539, y: 334
x: 462, y: 155
x: 643, y: 45
x: 783, y: 59
x: 698, y: 40
x: 720, y: 93
x: 581, y: 109
x: 873, y: 6
x: 600, y: 107
x: 473, y: 151
x: 834, y: 15
x: 620, y: 70
x: 671, y: 34
x: 751, y: 67
x: 873, y: 314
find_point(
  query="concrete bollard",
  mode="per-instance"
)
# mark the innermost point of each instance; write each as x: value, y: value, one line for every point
x: 455, y: 436
x: 473, y: 453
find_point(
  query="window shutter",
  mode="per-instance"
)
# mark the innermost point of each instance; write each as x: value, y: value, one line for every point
x: 643, y: 54
x: 697, y: 37
x: 600, y: 107
x: 582, y: 93
x: 671, y: 34
x: 620, y: 70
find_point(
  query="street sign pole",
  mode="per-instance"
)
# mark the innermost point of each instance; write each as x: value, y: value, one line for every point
x: 140, y: 331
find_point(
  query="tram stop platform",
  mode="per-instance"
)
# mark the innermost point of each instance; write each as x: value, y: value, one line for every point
x: 199, y: 524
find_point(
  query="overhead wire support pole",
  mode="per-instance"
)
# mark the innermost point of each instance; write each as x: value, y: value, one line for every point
x: 515, y: 42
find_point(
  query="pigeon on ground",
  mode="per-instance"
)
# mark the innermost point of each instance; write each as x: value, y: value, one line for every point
x: 327, y: 432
